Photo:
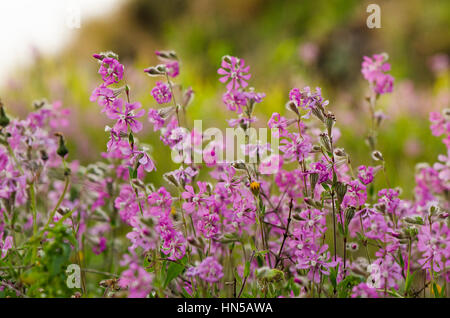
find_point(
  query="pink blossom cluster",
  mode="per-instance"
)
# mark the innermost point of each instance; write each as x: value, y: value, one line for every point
x: 302, y: 223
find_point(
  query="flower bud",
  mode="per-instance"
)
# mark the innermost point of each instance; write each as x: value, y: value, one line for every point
x: 329, y: 122
x: 341, y: 190
x: 171, y: 179
x: 292, y: 107
x: 377, y: 156
x: 227, y: 59
x: 313, y: 178
x: 340, y: 152
x: 4, y: 120
x: 152, y: 71
x: 240, y: 165
x: 44, y: 155
x: 318, y: 112
x: 349, y: 214
x: 414, y: 220
x: 316, y: 148
x: 446, y: 114
x: 161, y: 68
x: 62, y: 150
x: 325, y: 141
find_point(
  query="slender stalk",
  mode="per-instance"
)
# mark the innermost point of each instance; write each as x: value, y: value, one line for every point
x: 61, y: 198
x: 245, y: 278
x: 334, y: 225
x: 285, y: 235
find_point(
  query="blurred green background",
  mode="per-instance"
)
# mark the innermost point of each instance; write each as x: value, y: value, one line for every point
x: 286, y: 43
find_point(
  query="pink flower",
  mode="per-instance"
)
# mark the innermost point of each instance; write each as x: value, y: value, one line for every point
x: 100, y: 247
x: 5, y: 246
x: 307, y: 99
x: 235, y: 101
x: 316, y: 261
x: 208, y: 270
x: 295, y: 147
x: 173, y: 68
x: 235, y: 71
x: 104, y: 96
x: 161, y: 93
x: 195, y: 201
x: 126, y: 116
x: 155, y: 119
x: 111, y: 71
x: 144, y: 160
x: 271, y: 164
x: 160, y: 202
x: 356, y: 194
x: 374, y: 69
x: 280, y: 122
x: 362, y: 290
x: 137, y: 280
x: 365, y: 174
x: 434, y: 244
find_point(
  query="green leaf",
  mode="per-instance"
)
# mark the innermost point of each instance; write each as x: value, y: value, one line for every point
x: 409, y: 279
x: 345, y: 287
x: 173, y: 271
x: 247, y: 268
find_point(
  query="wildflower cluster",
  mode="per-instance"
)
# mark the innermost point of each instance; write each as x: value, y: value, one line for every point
x: 299, y: 223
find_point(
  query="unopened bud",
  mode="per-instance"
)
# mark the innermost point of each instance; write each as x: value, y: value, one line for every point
x: 4, y: 120
x: 341, y: 190
x: 313, y: 179
x: 377, y: 156
x: 62, y: 150
x: 292, y: 107
x: 152, y: 71
x: 329, y: 122
x: 325, y: 141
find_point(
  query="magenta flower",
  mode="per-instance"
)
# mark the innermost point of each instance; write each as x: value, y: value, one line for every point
x: 374, y: 69
x: 126, y: 203
x: 161, y: 93
x: 307, y: 99
x: 160, y: 202
x: 234, y: 100
x: 362, y: 290
x: 317, y: 262
x: 365, y: 174
x: 104, y: 96
x: 208, y: 225
x: 100, y: 247
x: 434, y: 244
x: 208, y: 270
x: 144, y: 160
x: 439, y: 124
x: 174, y: 243
x: 241, y: 121
x: 322, y: 170
x: 184, y: 175
x: 111, y: 71
x: 126, y: 116
x: 356, y: 194
x: 5, y: 245
x: 155, y: 119
x: 280, y: 122
x: 295, y: 147
x: 195, y: 201
x: 234, y: 71
x: 173, y: 68
x: 137, y: 280
x: 271, y: 164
